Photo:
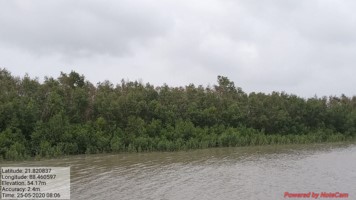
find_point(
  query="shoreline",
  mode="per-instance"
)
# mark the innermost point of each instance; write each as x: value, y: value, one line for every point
x: 37, y: 158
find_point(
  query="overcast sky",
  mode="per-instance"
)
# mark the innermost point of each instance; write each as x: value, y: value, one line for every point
x: 304, y: 47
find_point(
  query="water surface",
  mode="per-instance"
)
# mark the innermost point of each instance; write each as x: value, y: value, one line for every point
x: 220, y: 173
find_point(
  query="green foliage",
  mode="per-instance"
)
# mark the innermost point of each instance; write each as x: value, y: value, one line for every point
x: 16, y: 151
x: 69, y: 115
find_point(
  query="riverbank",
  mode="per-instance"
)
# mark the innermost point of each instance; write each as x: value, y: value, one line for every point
x: 70, y: 116
x: 230, y: 138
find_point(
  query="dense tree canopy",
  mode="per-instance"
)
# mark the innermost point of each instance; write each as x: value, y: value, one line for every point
x: 70, y: 115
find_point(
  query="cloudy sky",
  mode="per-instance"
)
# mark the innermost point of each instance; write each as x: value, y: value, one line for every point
x: 304, y: 47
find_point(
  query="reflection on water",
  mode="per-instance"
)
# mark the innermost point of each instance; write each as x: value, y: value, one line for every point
x: 221, y: 173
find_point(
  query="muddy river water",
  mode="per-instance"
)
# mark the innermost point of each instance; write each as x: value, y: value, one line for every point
x: 266, y: 172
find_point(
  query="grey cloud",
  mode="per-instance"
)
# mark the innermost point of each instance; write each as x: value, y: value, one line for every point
x: 75, y: 28
x: 305, y: 47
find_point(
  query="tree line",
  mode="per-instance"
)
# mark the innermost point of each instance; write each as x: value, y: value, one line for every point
x: 70, y: 115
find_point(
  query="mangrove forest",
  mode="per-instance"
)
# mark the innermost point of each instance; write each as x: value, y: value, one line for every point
x: 70, y: 115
